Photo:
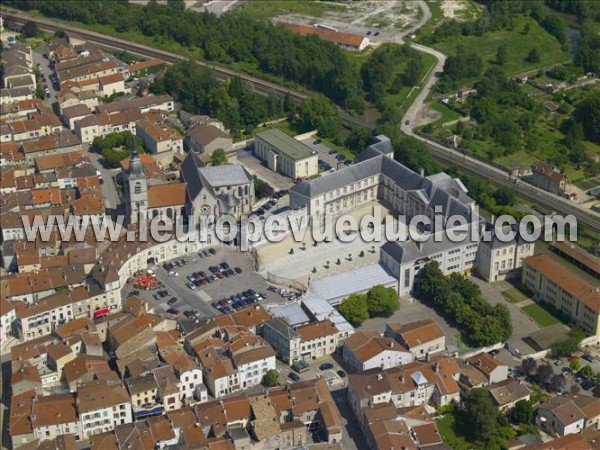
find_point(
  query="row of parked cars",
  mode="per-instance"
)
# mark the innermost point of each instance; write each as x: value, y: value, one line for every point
x: 238, y: 301
x: 270, y: 204
x: 288, y: 295
x: 324, y: 165
x: 217, y: 272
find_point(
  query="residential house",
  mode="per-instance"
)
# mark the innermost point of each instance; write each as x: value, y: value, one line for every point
x: 421, y: 338
x: 317, y: 339
x: 204, y: 138
x: 505, y: 394
x: 102, y: 405
x: 561, y: 416
x: 283, y: 338
x: 143, y: 391
x: 548, y: 178
x: 493, y: 369
x: 366, y: 350
x: 55, y: 415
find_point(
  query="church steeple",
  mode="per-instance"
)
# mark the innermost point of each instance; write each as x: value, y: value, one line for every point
x: 135, y: 164
x: 136, y: 187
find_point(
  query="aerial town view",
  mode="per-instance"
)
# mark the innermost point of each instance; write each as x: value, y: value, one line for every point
x: 300, y: 224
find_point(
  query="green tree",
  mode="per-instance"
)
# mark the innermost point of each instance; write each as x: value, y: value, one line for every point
x: 556, y: 26
x: 30, y: 29
x: 354, y: 309
x: 358, y: 139
x: 522, y: 413
x: 219, y: 157
x: 587, y: 371
x: 318, y: 112
x: 533, y: 56
x: 588, y: 114
x: 505, y: 196
x: 502, y: 55
x: 382, y: 301
x: 528, y: 366
x: 271, y: 378
x: 527, y: 28
x: 575, y: 365
x: 480, y: 418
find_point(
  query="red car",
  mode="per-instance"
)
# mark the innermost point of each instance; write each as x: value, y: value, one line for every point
x: 238, y: 270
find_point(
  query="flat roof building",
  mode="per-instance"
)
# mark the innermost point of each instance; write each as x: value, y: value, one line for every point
x: 286, y: 155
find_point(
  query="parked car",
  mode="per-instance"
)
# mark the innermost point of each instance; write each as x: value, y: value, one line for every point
x: 189, y: 314
x: 294, y: 376
x: 341, y: 373
x: 590, y: 358
x: 172, y: 311
x: 238, y: 270
x: 224, y: 265
x: 172, y: 301
x: 326, y: 366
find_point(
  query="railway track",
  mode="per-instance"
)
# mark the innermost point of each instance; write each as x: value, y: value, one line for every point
x: 439, y: 152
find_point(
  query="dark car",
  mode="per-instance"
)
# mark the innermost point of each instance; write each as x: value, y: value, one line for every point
x: 341, y: 373
x: 202, y: 273
x: 134, y: 292
x: 212, y: 251
x: 294, y: 376
x: 224, y: 265
x: 316, y: 141
x: 238, y: 269
x: 172, y: 301
x: 368, y: 33
x: 376, y: 33
x: 172, y: 311
x: 326, y: 366
x: 189, y: 314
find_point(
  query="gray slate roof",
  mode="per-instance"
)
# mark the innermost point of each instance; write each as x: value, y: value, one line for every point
x: 439, y: 190
x: 282, y: 327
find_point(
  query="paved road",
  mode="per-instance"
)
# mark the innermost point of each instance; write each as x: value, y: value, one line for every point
x: 112, y: 201
x: 480, y: 168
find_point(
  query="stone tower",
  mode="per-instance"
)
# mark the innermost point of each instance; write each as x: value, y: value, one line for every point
x: 136, y: 188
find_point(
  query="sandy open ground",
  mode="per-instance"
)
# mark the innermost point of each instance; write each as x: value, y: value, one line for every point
x: 276, y: 258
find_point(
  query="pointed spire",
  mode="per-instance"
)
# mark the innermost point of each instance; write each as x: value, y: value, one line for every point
x: 134, y: 153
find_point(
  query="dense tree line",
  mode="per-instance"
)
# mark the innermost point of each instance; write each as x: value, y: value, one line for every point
x: 231, y: 38
x: 380, y: 73
x: 463, y: 64
x: 461, y: 301
x: 233, y: 102
x: 588, y: 116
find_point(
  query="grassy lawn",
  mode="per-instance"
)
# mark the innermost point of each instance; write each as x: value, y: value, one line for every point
x: 447, y: 428
x: 514, y: 295
x: 518, y: 46
x: 540, y: 315
x: 447, y: 114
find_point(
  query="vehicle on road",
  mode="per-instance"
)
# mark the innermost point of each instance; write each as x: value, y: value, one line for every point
x: 294, y: 376
x: 326, y: 366
x: 300, y: 366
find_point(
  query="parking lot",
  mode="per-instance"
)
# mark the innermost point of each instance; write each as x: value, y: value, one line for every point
x: 326, y: 155
x: 200, y: 298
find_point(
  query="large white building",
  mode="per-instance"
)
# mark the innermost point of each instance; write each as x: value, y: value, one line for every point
x: 376, y: 176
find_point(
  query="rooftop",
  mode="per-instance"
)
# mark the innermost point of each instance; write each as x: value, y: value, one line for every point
x: 287, y: 145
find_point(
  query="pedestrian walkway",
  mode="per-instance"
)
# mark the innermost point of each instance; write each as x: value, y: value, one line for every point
x: 204, y: 296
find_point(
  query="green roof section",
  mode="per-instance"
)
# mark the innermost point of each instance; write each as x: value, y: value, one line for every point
x: 287, y: 145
